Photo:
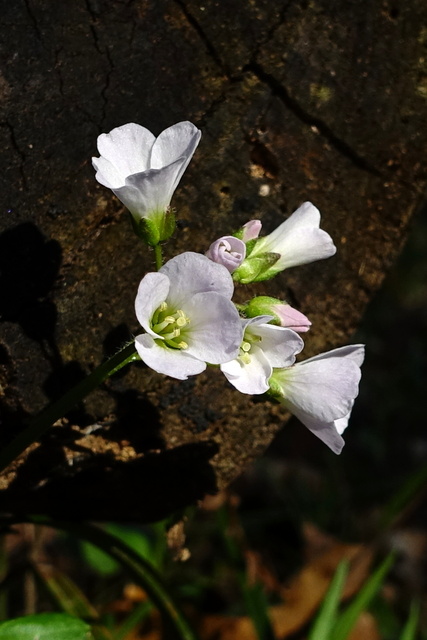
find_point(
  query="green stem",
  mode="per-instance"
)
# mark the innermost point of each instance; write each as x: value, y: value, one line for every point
x: 141, y: 570
x: 45, y: 419
x: 158, y: 255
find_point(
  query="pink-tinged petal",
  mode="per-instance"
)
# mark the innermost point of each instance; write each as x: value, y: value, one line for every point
x: 251, y: 377
x: 128, y: 148
x: 215, y: 332
x: 152, y: 291
x: 149, y: 192
x: 107, y: 174
x: 279, y: 345
x: 291, y: 318
x: 171, y: 362
x: 251, y: 230
x: 190, y: 273
x: 228, y: 251
x: 178, y: 141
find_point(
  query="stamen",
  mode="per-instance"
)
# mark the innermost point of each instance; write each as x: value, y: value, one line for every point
x: 245, y: 346
x: 172, y: 335
x: 182, y: 345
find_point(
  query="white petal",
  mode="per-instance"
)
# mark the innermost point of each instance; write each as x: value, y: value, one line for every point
x: 149, y: 192
x: 215, y: 332
x: 302, y: 246
x: 152, y: 291
x: 322, y: 387
x: 279, y: 345
x: 298, y: 240
x: 355, y: 352
x: 190, y: 273
x: 342, y: 423
x: 127, y: 147
x: 107, y: 174
x: 251, y: 377
x: 171, y: 362
x: 307, y: 215
x: 178, y: 141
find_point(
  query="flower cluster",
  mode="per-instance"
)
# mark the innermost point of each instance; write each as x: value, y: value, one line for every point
x: 186, y: 308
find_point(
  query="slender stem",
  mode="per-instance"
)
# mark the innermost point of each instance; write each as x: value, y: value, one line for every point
x: 41, y: 422
x: 158, y: 255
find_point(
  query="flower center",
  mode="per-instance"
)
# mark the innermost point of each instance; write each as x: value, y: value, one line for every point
x: 249, y: 339
x: 169, y: 325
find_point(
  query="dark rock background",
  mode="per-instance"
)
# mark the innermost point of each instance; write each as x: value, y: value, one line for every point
x: 323, y: 101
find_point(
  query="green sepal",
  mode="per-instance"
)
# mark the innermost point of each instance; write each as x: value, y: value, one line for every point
x: 157, y: 228
x: 168, y: 226
x: 250, y: 245
x: 254, y: 269
x: 276, y: 390
x: 263, y: 306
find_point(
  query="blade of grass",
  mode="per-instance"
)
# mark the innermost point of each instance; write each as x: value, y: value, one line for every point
x: 410, y: 628
x: 327, y: 614
x: 348, y: 618
x: 135, y: 618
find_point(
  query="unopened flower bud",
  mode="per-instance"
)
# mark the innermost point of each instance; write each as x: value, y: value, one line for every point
x: 283, y: 314
x: 228, y: 251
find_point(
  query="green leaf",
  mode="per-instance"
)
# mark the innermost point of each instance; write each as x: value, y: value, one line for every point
x: 45, y: 626
x: 327, y: 615
x: 410, y: 629
x: 348, y: 618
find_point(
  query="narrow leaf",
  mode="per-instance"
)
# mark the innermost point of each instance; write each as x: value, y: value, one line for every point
x: 327, y: 615
x: 410, y: 629
x: 348, y: 618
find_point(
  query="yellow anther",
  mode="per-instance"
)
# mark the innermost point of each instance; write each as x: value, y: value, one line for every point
x: 172, y: 335
x: 245, y: 346
x: 182, y: 345
x: 245, y: 358
x: 181, y: 321
x: 163, y: 306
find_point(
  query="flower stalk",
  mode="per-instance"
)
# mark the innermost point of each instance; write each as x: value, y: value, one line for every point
x: 48, y: 416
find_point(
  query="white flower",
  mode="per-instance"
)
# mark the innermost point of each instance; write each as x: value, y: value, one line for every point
x: 264, y: 346
x: 144, y: 171
x: 228, y: 251
x: 189, y: 319
x: 298, y: 240
x: 321, y: 391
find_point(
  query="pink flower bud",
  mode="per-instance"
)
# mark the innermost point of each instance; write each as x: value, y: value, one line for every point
x: 251, y: 230
x: 291, y: 318
x: 228, y: 251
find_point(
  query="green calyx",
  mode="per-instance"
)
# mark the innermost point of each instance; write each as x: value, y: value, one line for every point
x: 156, y: 228
x: 262, y: 306
x: 256, y: 269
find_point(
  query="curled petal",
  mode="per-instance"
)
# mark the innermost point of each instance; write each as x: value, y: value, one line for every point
x: 228, y: 251
x: 280, y: 345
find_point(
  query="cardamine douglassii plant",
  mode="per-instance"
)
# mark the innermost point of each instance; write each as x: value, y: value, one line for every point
x: 185, y: 307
